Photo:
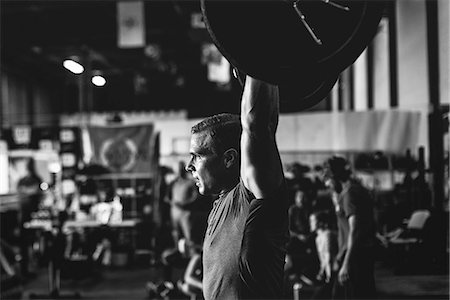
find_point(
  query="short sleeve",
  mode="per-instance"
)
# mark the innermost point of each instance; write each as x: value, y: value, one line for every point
x: 244, y: 193
x: 264, y: 247
x: 349, y: 203
x: 241, y: 199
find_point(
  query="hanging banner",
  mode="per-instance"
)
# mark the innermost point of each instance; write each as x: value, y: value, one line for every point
x: 122, y: 149
x: 130, y: 24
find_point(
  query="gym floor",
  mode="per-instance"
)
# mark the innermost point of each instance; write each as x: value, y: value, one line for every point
x: 130, y: 283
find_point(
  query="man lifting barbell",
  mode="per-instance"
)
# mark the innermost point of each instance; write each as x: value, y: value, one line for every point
x: 236, y: 157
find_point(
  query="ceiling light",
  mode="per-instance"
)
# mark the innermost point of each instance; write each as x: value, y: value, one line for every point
x: 98, y: 80
x: 73, y: 66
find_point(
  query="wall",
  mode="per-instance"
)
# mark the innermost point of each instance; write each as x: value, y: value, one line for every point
x: 311, y: 137
x: 381, y: 76
x: 360, y: 86
x: 307, y: 137
x: 14, y: 105
x: 412, y: 55
x: 26, y: 101
x: 411, y: 58
x: 444, y: 49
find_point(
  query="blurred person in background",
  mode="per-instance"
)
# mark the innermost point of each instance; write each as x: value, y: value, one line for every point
x: 30, y: 195
x: 161, y: 220
x: 299, y: 213
x: 356, y: 227
x: 317, y: 179
x: 29, y: 189
x: 301, y: 257
x: 327, y: 248
x: 182, y: 194
x: 297, y: 180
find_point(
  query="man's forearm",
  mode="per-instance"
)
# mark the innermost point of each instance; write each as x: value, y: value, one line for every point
x: 260, y: 103
x: 349, y: 252
x: 351, y: 240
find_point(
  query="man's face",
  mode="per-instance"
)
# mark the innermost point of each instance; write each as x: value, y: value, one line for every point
x: 206, y: 167
x: 330, y: 180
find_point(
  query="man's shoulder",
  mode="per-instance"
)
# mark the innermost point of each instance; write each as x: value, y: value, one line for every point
x: 238, y: 199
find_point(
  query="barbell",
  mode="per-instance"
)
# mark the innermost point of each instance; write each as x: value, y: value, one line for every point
x: 300, y: 45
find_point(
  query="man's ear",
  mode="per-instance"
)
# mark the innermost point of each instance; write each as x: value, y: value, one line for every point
x: 230, y: 157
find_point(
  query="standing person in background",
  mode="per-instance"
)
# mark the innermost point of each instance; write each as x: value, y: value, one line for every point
x: 299, y: 181
x: 182, y: 194
x: 327, y: 248
x: 300, y: 257
x: 356, y: 226
x: 29, y: 190
x: 30, y: 195
x: 161, y: 236
x: 299, y: 213
x: 237, y: 159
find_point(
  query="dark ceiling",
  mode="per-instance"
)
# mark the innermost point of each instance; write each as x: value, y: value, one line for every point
x: 36, y: 36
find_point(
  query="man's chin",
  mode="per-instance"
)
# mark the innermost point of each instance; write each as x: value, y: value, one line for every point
x: 201, y: 190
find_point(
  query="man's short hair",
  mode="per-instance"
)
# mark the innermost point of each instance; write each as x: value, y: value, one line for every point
x: 225, y: 130
x: 337, y: 167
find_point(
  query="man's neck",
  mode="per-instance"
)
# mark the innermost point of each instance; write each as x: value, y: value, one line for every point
x: 228, y: 188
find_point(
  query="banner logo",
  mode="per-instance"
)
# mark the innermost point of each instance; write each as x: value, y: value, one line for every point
x: 119, y: 154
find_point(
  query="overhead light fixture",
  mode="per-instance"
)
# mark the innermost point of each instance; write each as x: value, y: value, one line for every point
x: 98, y: 80
x: 73, y: 66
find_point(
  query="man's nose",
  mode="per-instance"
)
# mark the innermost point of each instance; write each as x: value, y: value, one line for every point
x: 188, y: 167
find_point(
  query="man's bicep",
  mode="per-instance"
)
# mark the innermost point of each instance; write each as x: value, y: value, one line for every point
x: 350, y: 203
x: 261, y: 168
x: 352, y: 222
x: 352, y: 225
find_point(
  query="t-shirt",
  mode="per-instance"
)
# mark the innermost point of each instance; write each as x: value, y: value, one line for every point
x: 343, y: 230
x: 244, y: 245
x: 261, y: 264
x: 222, y: 244
x: 299, y: 219
x: 356, y: 201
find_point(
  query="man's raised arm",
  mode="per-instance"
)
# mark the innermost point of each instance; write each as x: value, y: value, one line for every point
x: 261, y: 168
